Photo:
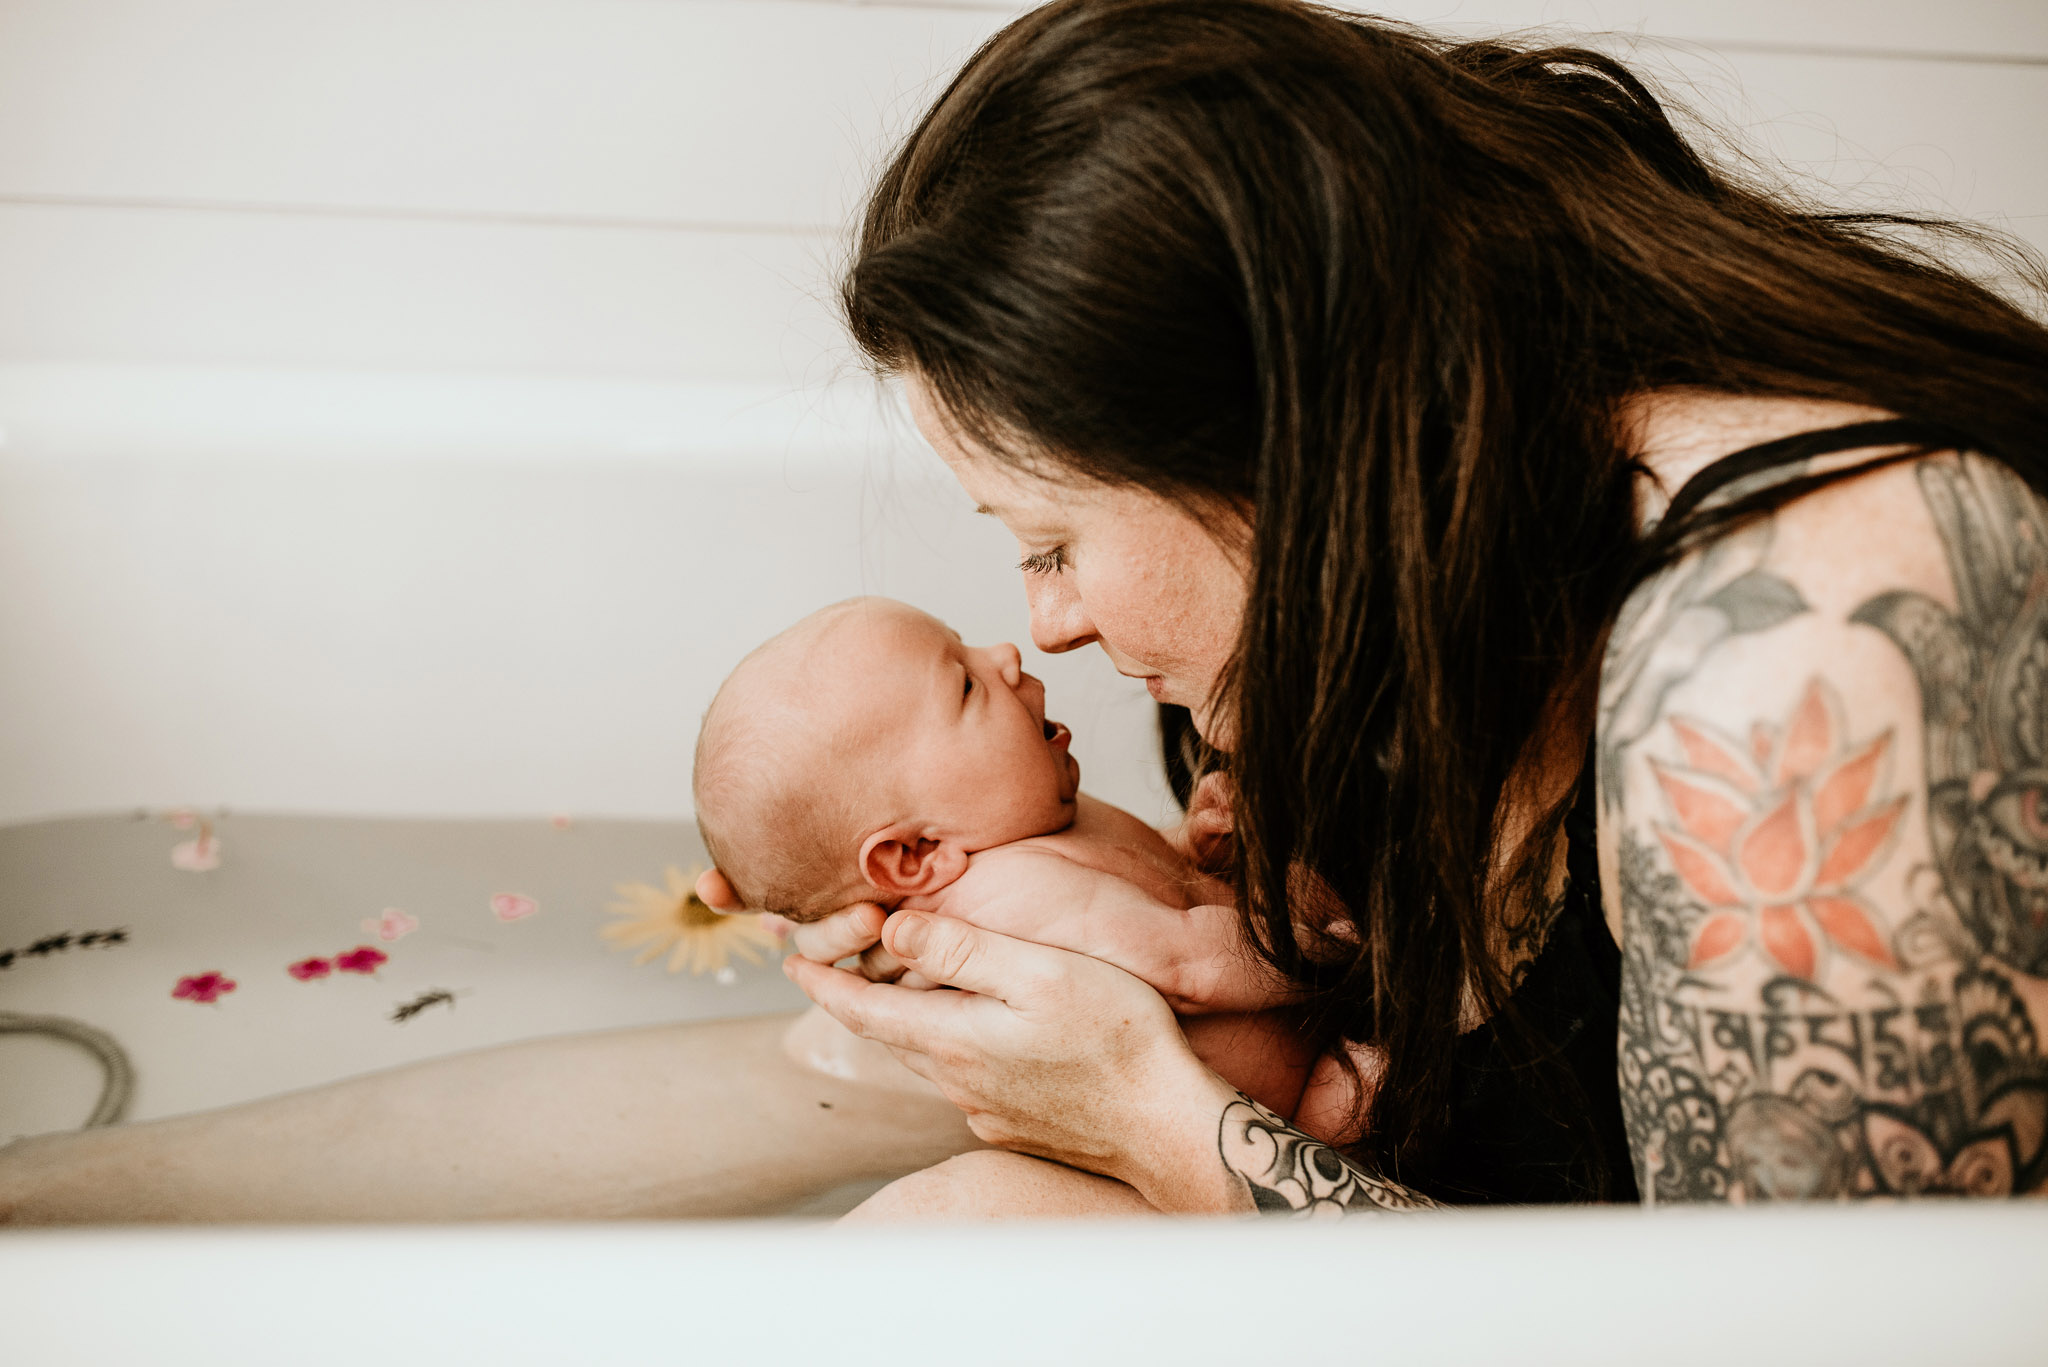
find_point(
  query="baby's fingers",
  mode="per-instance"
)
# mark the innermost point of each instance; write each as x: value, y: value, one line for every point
x: 878, y: 965
x: 840, y: 935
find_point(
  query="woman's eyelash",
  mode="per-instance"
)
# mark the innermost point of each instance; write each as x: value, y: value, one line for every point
x: 1044, y: 562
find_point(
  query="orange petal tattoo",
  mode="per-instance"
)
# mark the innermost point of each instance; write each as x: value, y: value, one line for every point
x: 1787, y: 941
x: 1701, y: 869
x: 1773, y: 854
x: 1707, y: 815
x: 1848, y: 925
x: 1859, y: 844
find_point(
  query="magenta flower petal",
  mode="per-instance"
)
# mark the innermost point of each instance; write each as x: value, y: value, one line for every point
x: 203, y: 987
x: 361, y: 959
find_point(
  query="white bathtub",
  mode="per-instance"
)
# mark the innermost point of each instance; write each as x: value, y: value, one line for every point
x: 1866, y: 1287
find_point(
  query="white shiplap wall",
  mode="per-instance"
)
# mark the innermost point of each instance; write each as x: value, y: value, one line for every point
x: 415, y: 406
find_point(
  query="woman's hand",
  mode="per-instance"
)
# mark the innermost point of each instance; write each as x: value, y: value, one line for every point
x: 1194, y: 957
x: 1046, y: 1051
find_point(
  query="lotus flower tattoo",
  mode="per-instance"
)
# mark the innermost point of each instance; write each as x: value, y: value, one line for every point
x: 1773, y: 835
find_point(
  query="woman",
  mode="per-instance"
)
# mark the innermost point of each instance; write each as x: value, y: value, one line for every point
x: 1338, y: 380
x: 1329, y: 375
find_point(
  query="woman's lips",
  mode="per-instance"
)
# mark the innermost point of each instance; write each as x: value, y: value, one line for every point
x: 1156, y: 686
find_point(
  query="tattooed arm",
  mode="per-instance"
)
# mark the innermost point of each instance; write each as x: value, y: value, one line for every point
x: 1285, y: 1172
x: 1824, y: 835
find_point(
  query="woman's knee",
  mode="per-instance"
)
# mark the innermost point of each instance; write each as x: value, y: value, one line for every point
x: 990, y: 1184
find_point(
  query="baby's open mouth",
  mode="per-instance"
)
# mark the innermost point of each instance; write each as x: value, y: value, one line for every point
x: 1054, y: 730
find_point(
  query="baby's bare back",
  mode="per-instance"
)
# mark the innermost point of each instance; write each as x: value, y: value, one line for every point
x: 1259, y: 1053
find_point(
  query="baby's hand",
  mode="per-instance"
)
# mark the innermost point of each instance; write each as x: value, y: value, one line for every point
x: 1195, y: 958
x: 853, y: 932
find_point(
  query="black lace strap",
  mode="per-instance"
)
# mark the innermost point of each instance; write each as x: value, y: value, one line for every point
x: 1926, y: 436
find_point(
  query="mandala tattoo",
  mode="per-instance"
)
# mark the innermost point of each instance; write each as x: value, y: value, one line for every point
x: 1782, y: 1037
x: 1288, y: 1173
x: 1983, y: 672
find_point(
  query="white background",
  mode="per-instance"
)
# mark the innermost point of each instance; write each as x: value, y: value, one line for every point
x: 416, y: 406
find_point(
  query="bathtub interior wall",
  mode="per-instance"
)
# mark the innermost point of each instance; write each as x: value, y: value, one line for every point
x: 430, y: 632
x: 416, y: 408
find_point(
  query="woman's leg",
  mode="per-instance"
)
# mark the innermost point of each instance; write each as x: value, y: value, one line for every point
x: 992, y: 1185
x: 707, y: 1119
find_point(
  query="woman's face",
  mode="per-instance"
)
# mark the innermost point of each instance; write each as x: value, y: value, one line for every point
x: 1119, y: 568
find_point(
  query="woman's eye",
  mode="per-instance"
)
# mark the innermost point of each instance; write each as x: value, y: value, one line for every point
x: 1044, y: 562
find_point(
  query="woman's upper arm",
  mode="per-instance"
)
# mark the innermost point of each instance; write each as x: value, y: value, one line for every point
x: 1823, y: 756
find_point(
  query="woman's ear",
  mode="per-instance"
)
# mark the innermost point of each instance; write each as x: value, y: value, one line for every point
x: 899, y: 861
x: 715, y: 890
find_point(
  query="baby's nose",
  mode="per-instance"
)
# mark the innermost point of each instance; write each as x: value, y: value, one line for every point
x: 1011, y: 661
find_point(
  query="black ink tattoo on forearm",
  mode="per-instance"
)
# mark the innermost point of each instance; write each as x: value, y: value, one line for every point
x: 1289, y: 1173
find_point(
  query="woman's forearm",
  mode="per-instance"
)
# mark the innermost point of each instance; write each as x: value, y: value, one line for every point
x: 704, y: 1119
x: 1233, y: 1155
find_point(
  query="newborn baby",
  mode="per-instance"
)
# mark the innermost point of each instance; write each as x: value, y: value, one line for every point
x: 868, y: 755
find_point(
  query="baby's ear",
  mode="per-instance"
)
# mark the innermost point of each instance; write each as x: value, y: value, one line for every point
x: 715, y: 890
x: 898, y: 861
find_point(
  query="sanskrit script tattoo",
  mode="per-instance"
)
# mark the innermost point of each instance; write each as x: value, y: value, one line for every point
x: 1781, y: 1036
x: 1288, y: 1173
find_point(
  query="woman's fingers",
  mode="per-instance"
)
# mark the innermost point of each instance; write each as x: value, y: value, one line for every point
x: 955, y: 954
x: 840, y: 935
x: 900, y: 1017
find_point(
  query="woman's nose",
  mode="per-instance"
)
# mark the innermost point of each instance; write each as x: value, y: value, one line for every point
x: 1059, y: 620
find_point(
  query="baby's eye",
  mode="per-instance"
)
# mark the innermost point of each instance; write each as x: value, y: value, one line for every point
x: 967, y: 687
x: 1044, y: 562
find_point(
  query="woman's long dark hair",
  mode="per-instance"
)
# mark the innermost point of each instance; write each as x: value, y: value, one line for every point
x: 1387, y: 291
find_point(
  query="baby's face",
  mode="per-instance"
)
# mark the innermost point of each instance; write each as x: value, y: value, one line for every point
x: 960, y: 729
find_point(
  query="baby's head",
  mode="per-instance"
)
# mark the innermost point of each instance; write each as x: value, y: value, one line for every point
x: 864, y: 753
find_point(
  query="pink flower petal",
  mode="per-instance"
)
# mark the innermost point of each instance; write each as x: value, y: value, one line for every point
x: 392, y: 925
x: 204, y: 988
x: 511, y: 906
x: 197, y: 855
x: 361, y: 959
x: 305, y: 970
